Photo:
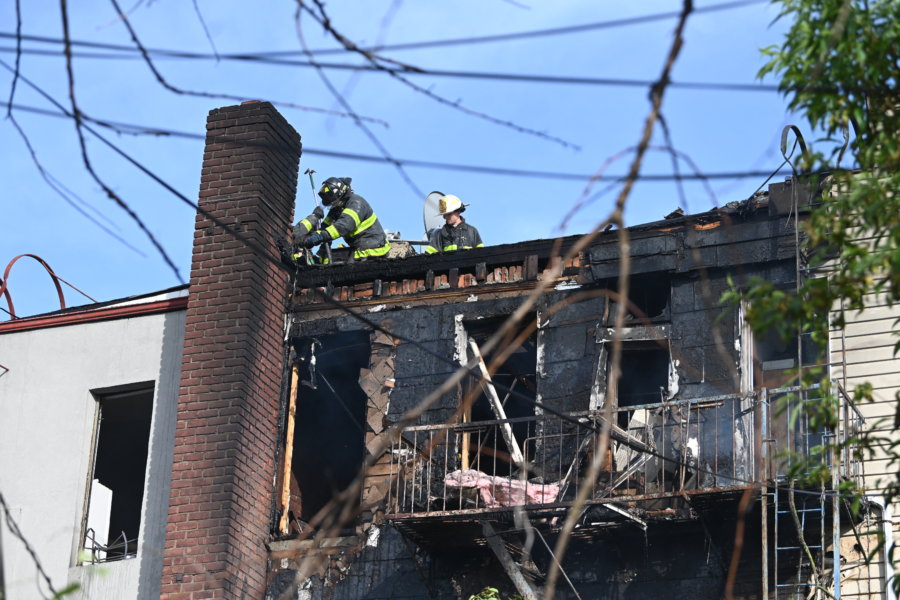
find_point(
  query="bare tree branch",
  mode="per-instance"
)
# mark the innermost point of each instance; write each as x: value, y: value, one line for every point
x: 379, y: 39
x: 71, y: 198
x: 343, y: 102
x: 12, y: 87
x: 376, y: 60
x: 617, y: 218
x: 588, y: 196
x: 76, y: 114
x: 670, y: 148
x: 176, y: 90
x: 14, y: 529
x: 200, y: 18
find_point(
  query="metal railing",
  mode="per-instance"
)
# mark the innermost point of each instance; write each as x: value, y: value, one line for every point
x: 118, y: 549
x: 655, y: 450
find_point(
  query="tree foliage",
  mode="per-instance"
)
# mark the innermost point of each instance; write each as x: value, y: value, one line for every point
x: 839, y: 66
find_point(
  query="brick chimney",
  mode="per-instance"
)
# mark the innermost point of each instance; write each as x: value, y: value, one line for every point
x: 221, y: 497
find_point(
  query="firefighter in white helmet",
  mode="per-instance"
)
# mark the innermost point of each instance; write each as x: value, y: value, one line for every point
x: 456, y: 234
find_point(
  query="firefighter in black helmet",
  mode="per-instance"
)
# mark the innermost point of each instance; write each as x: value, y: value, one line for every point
x: 349, y: 216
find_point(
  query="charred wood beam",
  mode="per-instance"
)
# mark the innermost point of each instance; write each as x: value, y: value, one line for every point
x: 505, y: 428
x: 509, y: 565
x: 415, y: 267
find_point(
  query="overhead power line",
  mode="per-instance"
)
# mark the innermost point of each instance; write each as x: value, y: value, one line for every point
x: 465, y: 41
x: 129, y: 128
x: 521, y: 35
x: 131, y: 53
x: 521, y: 77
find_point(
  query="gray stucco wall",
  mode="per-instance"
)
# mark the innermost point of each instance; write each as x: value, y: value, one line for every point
x: 47, y: 415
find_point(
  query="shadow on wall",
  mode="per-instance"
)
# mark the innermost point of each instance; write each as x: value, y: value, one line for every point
x: 159, y: 460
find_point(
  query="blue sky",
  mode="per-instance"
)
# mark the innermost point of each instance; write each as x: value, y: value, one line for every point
x: 721, y: 131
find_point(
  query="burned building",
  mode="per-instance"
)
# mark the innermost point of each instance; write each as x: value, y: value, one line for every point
x: 428, y: 426
x: 471, y: 484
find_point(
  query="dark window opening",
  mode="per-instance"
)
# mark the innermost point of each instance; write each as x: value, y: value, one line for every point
x: 516, y: 383
x: 776, y: 353
x: 648, y: 295
x: 329, y: 443
x: 644, y: 376
x: 117, y: 481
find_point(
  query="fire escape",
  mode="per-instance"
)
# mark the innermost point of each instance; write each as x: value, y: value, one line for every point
x: 510, y: 483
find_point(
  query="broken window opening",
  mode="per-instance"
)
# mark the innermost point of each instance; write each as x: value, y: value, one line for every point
x: 648, y: 296
x: 329, y: 443
x: 644, y: 377
x: 116, y: 490
x: 515, y: 382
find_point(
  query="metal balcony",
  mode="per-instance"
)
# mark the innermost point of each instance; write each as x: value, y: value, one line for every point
x: 657, y: 456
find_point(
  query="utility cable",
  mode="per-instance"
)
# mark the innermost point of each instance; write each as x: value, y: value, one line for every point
x: 336, y: 303
x: 477, y: 75
x: 502, y: 37
x: 163, y: 132
x: 85, y: 156
x: 455, y: 74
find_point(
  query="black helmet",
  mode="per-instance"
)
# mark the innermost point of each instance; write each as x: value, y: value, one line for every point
x: 334, y: 189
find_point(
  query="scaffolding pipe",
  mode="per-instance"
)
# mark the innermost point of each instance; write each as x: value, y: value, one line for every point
x: 888, y: 528
x: 835, y: 520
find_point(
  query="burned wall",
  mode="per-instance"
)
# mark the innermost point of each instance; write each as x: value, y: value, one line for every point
x: 569, y: 349
x: 676, y: 322
x: 703, y: 336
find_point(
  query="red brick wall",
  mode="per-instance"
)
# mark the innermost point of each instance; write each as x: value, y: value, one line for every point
x: 225, y: 442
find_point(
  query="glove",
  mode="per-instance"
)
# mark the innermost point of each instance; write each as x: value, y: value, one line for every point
x: 320, y: 214
x: 285, y: 252
x: 313, y: 239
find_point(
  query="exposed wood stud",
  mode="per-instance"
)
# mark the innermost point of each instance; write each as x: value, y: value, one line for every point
x: 289, y: 451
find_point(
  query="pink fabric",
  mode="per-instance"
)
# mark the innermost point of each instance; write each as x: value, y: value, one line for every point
x: 502, y: 491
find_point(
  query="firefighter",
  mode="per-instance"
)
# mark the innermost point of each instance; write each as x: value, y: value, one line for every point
x: 456, y: 234
x: 349, y: 216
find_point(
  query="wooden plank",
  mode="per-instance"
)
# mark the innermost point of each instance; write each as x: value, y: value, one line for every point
x: 289, y: 451
x: 381, y: 470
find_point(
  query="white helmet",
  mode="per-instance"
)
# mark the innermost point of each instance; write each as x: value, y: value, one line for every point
x: 450, y: 203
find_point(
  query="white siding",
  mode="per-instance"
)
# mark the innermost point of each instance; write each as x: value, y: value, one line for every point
x: 47, y: 415
x: 863, y: 352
